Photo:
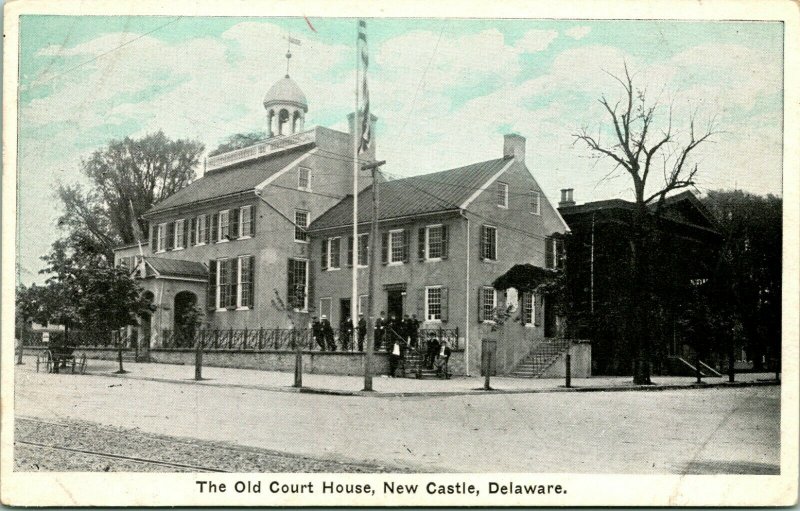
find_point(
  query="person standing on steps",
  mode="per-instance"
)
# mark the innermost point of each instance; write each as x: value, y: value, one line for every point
x: 380, y: 330
x: 362, y: 331
x: 327, y: 333
x: 316, y: 331
x: 394, y: 357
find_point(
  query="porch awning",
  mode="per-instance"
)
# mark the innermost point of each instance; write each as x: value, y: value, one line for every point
x: 525, y: 278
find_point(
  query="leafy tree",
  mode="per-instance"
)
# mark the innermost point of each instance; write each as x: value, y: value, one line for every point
x: 239, y: 141
x: 639, y: 145
x: 748, y: 272
x: 82, y: 292
x: 141, y: 172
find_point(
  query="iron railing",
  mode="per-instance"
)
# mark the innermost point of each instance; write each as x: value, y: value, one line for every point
x: 79, y: 338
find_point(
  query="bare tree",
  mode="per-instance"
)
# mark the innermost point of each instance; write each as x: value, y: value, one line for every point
x: 637, y: 147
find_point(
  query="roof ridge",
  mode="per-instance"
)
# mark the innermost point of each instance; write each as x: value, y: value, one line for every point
x: 504, y: 158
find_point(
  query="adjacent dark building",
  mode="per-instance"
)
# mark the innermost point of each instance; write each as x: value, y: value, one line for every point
x: 683, y: 252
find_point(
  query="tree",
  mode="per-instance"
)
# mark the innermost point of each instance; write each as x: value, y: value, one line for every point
x: 141, y: 172
x: 239, y: 141
x: 81, y: 292
x: 748, y: 272
x: 639, y: 145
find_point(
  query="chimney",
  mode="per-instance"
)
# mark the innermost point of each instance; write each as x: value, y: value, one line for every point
x: 566, y: 198
x: 514, y: 147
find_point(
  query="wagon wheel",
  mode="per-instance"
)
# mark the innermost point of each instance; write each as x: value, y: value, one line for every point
x: 48, y: 361
x: 83, y: 363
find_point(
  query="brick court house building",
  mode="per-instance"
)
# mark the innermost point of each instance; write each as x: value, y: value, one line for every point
x: 273, y: 222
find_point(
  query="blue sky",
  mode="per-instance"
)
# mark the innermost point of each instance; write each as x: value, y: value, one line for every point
x: 445, y: 91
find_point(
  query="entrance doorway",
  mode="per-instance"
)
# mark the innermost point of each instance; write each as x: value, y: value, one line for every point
x: 186, y: 317
x: 145, y: 321
x: 394, y: 303
x: 344, y: 309
x: 549, y: 319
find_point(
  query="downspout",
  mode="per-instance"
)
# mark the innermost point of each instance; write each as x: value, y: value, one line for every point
x: 466, y: 326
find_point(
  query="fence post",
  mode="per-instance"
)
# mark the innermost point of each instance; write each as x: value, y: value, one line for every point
x: 198, y: 359
x: 298, y: 361
x: 21, y: 349
x: 486, y: 359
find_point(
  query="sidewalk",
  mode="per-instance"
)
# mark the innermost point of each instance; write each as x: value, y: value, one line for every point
x: 384, y: 386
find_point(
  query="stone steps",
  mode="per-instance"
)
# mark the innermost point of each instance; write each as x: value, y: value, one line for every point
x: 539, y: 359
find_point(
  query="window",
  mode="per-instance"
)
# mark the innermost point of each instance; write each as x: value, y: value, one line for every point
x: 226, y: 283
x: 304, y: 179
x: 536, y: 206
x: 433, y: 303
x: 502, y: 195
x: 178, y: 240
x: 300, y: 225
x: 245, y: 298
x: 488, y: 243
x: 162, y: 238
x: 224, y: 225
x: 297, y: 292
x: 397, y: 246
x: 363, y: 249
x: 201, y: 230
x: 245, y: 221
x: 333, y: 252
x: 488, y: 296
x: 527, y: 309
x: 554, y: 254
x: 433, y: 243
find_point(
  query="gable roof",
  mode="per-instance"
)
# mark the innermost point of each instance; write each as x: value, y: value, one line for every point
x: 230, y: 180
x: 427, y: 193
x: 176, y: 268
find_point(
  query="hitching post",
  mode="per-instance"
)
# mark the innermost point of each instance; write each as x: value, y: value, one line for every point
x: 119, y: 357
x: 19, y: 355
x: 198, y: 358
x: 486, y: 346
x: 568, y: 363
x: 298, y: 361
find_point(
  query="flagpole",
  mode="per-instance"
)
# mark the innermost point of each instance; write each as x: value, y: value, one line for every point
x: 356, y: 124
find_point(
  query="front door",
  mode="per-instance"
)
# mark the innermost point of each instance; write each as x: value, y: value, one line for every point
x: 394, y: 303
x: 344, y: 309
x: 549, y: 318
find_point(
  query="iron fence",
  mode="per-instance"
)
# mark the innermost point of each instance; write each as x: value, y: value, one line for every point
x: 79, y: 338
x: 282, y: 339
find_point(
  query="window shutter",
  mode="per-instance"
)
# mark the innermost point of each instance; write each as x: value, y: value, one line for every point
x: 482, y: 243
x: 561, y: 255
x: 233, y: 271
x: 186, y: 222
x: 207, y: 219
x: 253, y: 220
x: 310, y: 289
x: 170, y: 235
x: 538, y: 309
x: 289, y: 285
x: 336, y: 263
x: 444, y: 305
x: 480, y: 305
x: 211, y: 292
x: 214, y: 228
x: 350, y: 251
x: 153, y: 237
x: 324, y: 254
x: 406, y: 243
x: 445, y: 242
x: 548, y: 253
x: 385, y: 247
x: 252, y: 279
x: 421, y: 244
x: 192, y: 231
x: 234, y: 230
x: 422, y: 314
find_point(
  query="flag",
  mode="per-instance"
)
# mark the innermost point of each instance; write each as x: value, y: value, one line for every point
x: 292, y: 40
x: 366, y: 129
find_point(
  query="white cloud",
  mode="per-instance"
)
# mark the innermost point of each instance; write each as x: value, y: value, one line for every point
x: 578, y: 33
x: 536, y: 40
